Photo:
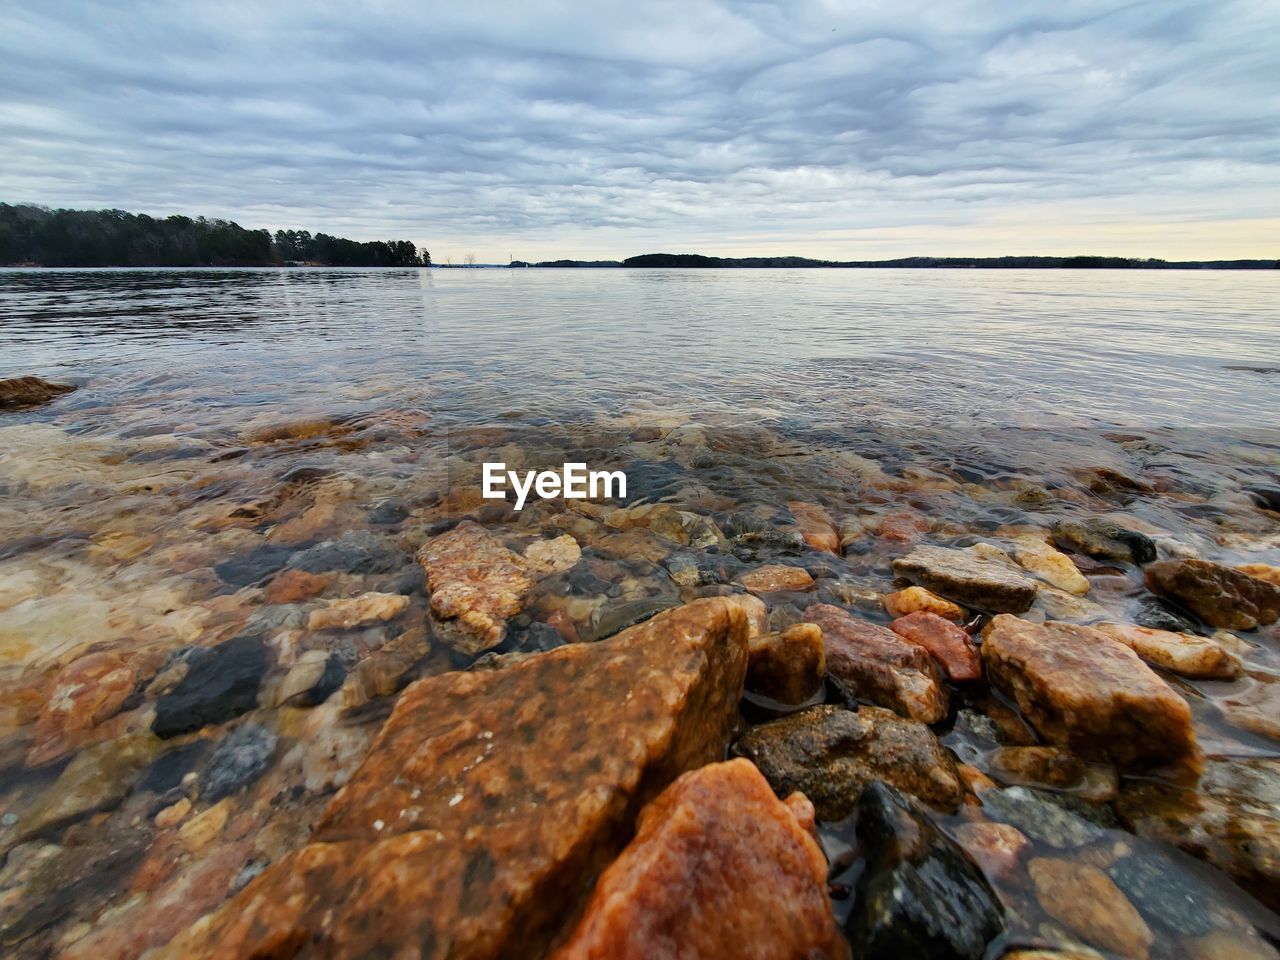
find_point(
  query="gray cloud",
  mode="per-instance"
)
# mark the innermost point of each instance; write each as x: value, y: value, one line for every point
x: 601, y: 129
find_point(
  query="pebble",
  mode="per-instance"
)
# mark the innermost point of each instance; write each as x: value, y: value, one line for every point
x: 916, y: 599
x: 1084, y: 899
x: 358, y: 611
x: 237, y: 761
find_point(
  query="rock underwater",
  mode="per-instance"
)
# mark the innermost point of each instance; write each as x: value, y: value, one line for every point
x: 490, y: 798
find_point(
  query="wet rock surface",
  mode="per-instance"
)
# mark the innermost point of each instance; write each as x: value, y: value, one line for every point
x: 1181, y: 653
x: 1218, y: 595
x: 719, y: 867
x: 969, y: 578
x: 20, y: 393
x: 1084, y: 899
x: 1104, y: 538
x: 950, y: 646
x: 218, y: 686
x: 789, y: 665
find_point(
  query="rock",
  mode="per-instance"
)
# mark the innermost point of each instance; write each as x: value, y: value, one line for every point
x: 1051, y: 767
x: 490, y: 798
x: 238, y: 760
x: 1084, y: 899
x: 718, y: 867
x: 1253, y: 703
x: 994, y: 847
x: 774, y: 577
x: 950, y: 646
x: 1228, y: 818
x: 359, y: 552
x: 382, y: 672
x: 1164, y: 892
x: 1086, y: 692
x: 83, y: 695
x: 253, y: 566
x: 296, y: 586
x: 1100, y: 537
x: 358, y: 611
x: 205, y: 827
x: 1057, y: 604
x: 1261, y: 571
x: 17, y: 393
x: 616, y: 619
x: 173, y: 814
x: 218, y: 687
x: 919, y: 896
x: 311, y: 680
x: 1230, y: 945
x: 968, y: 577
x: 830, y: 754
x: 1036, y: 556
x: 1218, y: 595
x: 914, y: 599
x: 389, y: 512
x: 816, y: 526
x: 873, y: 663
x: 96, y: 779
x: 552, y: 556
x: 1044, y: 816
x: 1154, y: 613
x: 1182, y: 653
x: 788, y: 666
x: 476, y: 583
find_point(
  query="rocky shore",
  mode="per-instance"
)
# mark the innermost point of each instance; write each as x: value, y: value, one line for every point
x: 292, y: 687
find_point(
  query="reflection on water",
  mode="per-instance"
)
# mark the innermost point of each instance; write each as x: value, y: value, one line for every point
x: 227, y: 421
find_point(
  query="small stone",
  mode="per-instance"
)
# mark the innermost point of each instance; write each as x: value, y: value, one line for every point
x: 311, y: 680
x: 1253, y: 703
x: 1181, y: 653
x: 873, y: 663
x: 1036, y: 556
x: 18, y: 393
x: 994, y: 847
x: 391, y: 511
x: 1052, y: 767
x: 1218, y: 595
x: 1086, y: 692
x: 774, y: 577
x: 218, y: 687
x: 971, y: 577
x: 788, y: 666
x: 201, y: 830
x: 915, y: 599
x: 830, y: 754
x: 174, y: 814
x: 237, y: 761
x: 358, y: 611
x: 816, y: 526
x: 547, y: 557
x: 615, y: 619
x: 83, y: 695
x: 360, y: 552
x: 950, y: 646
x: 254, y: 566
x: 1084, y: 899
x: 1100, y: 537
x: 1043, y: 815
x: 718, y: 867
x: 296, y: 586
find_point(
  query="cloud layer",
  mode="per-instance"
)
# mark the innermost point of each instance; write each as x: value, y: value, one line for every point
x: 606, y: 129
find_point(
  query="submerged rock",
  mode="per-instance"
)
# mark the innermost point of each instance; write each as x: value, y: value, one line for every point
x: 773, y: 578
x: 311, y: 680
x: 83, y: 695
x: 874, y: 663
x: 1182, y: 653
x: 1100, y: 537
x: 1165, y: 892
x: 553, y: 556
x: 616, y: 619
x: 788, y: 666
x: 913, y: 599
x: 830, y: 754
x: 816, y: 526
x: 17, y: 393
x: 359, y: 552
x: 1086, y: 692
x: 218, y: 687
x: 490, y: 798
x: 237, y: 761
x: 358, y: 611
x: 950, y: 646
x: 719, y: 867
x: 476, y: 584
x: 1083, y: 899
x: 920, y: 896
x: 1052, y: 767
x: 1046, y: 816
x: 973, y: 578
x: 1218, y: 595
x: 1036, y: 556
x: 1261, y: 571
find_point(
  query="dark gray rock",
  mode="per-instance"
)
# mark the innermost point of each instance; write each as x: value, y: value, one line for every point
x: 237, y: 761
x: 1053, y: 818
x: 1165, y: 893
x: 1158, y: 615
x: 1100, y: 537
x: 253, y: 566
x: 216, y: 689
x: 389, y: 512
x: 18, y: 393
x: 359, y: 552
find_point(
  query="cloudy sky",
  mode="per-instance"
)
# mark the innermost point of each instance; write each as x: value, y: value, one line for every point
x: 599, y: 129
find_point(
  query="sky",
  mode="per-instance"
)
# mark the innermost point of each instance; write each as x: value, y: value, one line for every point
x: 598, y: 130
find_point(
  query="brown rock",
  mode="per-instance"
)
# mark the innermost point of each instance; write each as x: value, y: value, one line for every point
x: 973, y: 577
x: 816, y: 526
x: 491, y: 797
x: 788, y: 666
x: 1086, y: 692
x: 1230, y: 945
x: 719, y: 868
x: 1261, y: 571
x: 1218, y: 595
x: 775, y: 577
x: 86, y: 693
x: 994, y: 847
x: 913, y: 599
x: 901, y: 527
x: 1253, y: 704
x: 874, y: 663
x: 476, y: 582
x: 950, y: 646
x: 1181, y: 653
x: 830, y: 753
x: 358, y: 611
x: 294, y: 586
x: 1052, y: 767
x: 1084, y: 900
x: 17, y: 393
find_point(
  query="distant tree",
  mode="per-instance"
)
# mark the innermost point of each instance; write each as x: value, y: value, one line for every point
x: 469, y: 259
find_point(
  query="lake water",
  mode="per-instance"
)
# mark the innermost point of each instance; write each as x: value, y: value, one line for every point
x: 226, y: 419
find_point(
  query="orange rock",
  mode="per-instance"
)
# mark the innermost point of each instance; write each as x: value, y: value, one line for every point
x: 774, y: 577
x: 946, y: 643
x: 913, y: 599
x: 491, y: 798
x: 294, y: 586
x: 364, y: 609
x: 816, y: 526
x: 719, y: 867
x: 788, y: 666
x: 1261, y: 571
x: 85, y: 694
x: 901, y: 527
x: 995, y: 847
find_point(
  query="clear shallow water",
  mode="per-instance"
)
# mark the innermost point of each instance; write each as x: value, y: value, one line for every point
x: 221, y: 414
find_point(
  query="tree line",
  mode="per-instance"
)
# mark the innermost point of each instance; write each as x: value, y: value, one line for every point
x: 115, y: 238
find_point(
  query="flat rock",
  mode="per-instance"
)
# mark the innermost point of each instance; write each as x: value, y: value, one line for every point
x: 491, y: 798
x: 920, y: 896
x: 1086, y: 692
x: 219, y: 686
x: 553, y: 556
x: 1218, y: 595
x: 83, y: 695
x: 358, y: 552
x: 994, y: 847
x: 970, y: 577
x: 237, y: 761
x: 949, y: 645
x: 830, y: 754
x: 903, y: 602
x: 358, y: 611
x: 1181, y: 653
x: 719, y: 867
x: 1084, y: 900
x: 788, y: 666
x: 476, y: 584
x: 17, y: 393
x: 775, y: 577
x: 1049, y: 817
x: 1101, y: 537
x: 1036, y: 556
x: 816, y: 526
x: 873, y: 663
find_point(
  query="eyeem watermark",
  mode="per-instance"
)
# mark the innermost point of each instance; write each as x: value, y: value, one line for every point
x: 573, y: 482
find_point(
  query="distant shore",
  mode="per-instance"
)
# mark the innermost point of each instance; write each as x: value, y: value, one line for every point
x: 687, y: 260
